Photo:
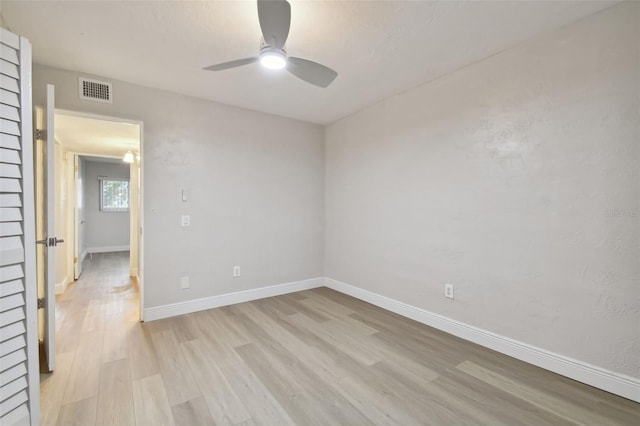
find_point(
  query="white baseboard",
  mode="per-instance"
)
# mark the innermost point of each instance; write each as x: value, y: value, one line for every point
x: 619, y: 384
x: 189, y: 306
x: 62, y: 285
x: 107, y: 249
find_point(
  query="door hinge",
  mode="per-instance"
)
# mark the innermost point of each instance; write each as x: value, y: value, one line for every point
x: 41, y: 303
x: 41, y: 134
x: 75, y: 260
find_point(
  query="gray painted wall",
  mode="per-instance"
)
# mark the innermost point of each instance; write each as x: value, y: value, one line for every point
x: 517, y: 180
x: 255, y: 183
x: 104, y: 229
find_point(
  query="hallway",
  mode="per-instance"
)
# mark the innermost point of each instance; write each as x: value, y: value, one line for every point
x: 95, y: 318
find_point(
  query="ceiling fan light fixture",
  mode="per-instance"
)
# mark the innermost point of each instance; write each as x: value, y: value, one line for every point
x: 274, y: 17
x: 274, y: 59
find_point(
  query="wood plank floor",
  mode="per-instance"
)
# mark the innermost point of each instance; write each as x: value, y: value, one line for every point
x: 314, y: 357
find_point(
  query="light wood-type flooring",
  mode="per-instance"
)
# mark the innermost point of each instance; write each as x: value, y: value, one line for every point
x: 308, y: 358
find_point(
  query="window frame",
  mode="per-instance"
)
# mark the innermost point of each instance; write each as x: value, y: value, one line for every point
x: 102, y: 207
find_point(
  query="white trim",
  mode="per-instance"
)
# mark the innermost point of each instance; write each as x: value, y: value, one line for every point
x: 83, y: 114
x: 84, y: 254
x: 189, y: 306
x: 62, y: 285
x: 106, y: 249
x: 619, y: 384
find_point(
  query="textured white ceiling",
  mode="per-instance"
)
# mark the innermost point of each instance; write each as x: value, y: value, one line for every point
x: 378, y: 48
x: 96, y: 137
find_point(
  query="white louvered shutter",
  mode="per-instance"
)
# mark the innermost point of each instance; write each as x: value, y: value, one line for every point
x: 18, y: 326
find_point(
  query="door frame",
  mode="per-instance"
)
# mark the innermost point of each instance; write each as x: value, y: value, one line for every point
x: 140, y: 214
x: 72, y: 212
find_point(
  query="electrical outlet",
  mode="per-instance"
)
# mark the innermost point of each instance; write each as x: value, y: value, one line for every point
x: 185, y: 220
x: 236, y: 271
x: 448, y: 291
x: 184, y: 283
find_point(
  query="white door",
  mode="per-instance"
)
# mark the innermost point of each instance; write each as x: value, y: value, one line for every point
x: 45, y: 229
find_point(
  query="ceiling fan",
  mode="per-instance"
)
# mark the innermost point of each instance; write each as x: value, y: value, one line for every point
x: 275, y: 20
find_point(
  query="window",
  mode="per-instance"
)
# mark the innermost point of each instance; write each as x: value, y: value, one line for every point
x: 114, y: 195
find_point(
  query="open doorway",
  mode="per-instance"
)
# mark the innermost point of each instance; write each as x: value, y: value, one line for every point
x: 100, y: 162
x: 98, y: 212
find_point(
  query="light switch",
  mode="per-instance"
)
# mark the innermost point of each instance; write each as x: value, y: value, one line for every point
x: 185, y: 195
x: 186, y: 220
x: 184, y: 283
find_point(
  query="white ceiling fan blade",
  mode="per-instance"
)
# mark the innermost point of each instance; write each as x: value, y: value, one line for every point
x: 311, y: 72
x: 275, y: 20
x: 231, y: 64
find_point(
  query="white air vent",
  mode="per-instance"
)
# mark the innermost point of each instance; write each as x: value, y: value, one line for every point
x: 94, y: 90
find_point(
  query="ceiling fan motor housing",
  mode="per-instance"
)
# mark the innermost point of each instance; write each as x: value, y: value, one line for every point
x: 264, y: 47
